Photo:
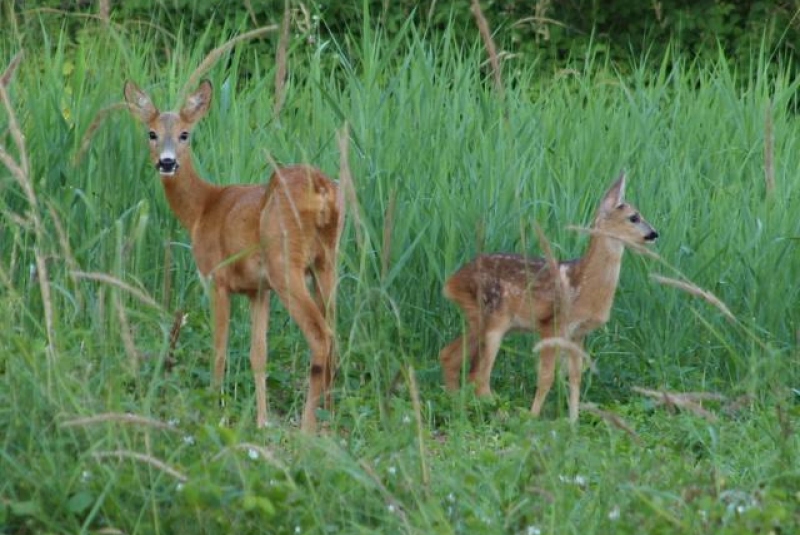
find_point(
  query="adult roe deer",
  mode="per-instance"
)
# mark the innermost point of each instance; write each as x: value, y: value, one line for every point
x: 249, y: 239
x: 502, y: 292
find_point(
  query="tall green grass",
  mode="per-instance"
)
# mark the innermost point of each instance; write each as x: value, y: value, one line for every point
x: 443, y: 169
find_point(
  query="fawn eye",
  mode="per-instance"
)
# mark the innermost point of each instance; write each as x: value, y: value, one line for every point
x: 152, y: 135
x: 634, y: 218
x: 184, y: 136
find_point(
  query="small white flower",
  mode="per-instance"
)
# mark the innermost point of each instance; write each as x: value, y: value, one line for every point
x: 533, y: 530
x: 391, y: 508
x: 252, y: 453
x: 179, y: 487
x: 297, y: 529
x: 188, y: 440
x: 614, y: 513
x: 451, y: 498
x: 578, y: 480
x: 173, y: 422
x: 86, y: 476
x: 406, y: 419
x: 392, y: 470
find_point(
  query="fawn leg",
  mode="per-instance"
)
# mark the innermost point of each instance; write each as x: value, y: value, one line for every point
x: 546, y: 374
x: 575, y: 369
x: 221, y: 311
x: 491, y: 345
x: 452, y: 358
x: 259, y: 327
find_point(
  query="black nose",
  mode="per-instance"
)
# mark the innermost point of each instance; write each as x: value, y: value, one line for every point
x: 167, y: 165
x: 652, y: 236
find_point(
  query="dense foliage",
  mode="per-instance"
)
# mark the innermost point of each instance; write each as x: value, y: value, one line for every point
x: 548, y: 30
x: 107, y: 424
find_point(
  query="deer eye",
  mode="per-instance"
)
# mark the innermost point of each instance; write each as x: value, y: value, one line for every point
x: 152, y: 135
x: 184, y: 137
x: 634, y: 218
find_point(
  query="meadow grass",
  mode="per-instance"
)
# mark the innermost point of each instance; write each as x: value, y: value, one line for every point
x: 108, y: 424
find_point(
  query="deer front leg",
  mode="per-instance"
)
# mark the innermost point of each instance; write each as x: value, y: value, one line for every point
x: 575, y: 369
x: 259, y: 327
x: 544, y: 381
x: 482, y: 372
x: 221, y: 311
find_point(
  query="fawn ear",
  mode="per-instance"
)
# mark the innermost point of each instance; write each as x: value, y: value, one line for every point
x: 139, y: 103
x: 197, y: 103
x: 615, y: 195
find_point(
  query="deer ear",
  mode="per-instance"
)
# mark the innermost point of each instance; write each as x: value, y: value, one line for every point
x: 139, y: 104
x: 615, y: 195
x: 197, y: 103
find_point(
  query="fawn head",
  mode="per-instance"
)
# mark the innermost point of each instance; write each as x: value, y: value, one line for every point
x: 169, y: 132
x: 619, y: 219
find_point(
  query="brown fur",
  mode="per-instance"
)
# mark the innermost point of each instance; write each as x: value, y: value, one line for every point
x: 503, y: 292
x: 250, y: 239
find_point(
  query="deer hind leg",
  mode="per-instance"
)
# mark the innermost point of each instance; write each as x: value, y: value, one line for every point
x: 259, y: 327
x: 452, y: 358
x: 325, y: 297
x: 221, y: 311
x: 546, y: 374
x: 491, y: 338
x: 291, y: 287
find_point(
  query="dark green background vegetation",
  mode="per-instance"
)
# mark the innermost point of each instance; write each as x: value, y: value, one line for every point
x: 549, y: 30
x: 107, y: 424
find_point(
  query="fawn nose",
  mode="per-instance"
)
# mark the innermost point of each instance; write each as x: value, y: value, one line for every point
x: 167, y: 165
x: 652, y: 236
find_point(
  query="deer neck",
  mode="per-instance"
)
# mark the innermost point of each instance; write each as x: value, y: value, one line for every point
x: 595, y: 278
x: 187, y: 194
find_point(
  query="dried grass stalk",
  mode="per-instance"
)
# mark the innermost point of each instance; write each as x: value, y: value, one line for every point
x: 417, y: 405
x: 96, y: 123
x: 561, y: 300
x: 697, y: 292
x: 5, y: 79
x: 141, y: 457
x: 66, y: 251
x: 104, y: 10
x: 395, y: 504
x: 178, y: 321
x: 684, y: 400
x: 125, y: 333
x: 20, y: 170
x: 636, y: 247
x: 214, y: 55
x: 118, y: 417
x: 613, y: 419
x: 262, y: 451
x: 560, y: 342
x: 347, y: 189
x: 488, y: 42
x: 113, y: 281
x: 281, y: 60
